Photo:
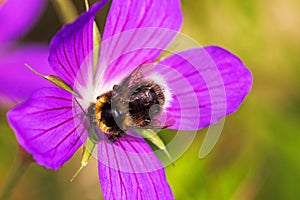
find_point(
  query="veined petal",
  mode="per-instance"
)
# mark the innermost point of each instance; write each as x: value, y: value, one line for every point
x: 136, y: 32
x: 72, y: 45
x: 45, y: 127
x: 128, y: 169
x: 207, y: 84
x: 17, y: 82
x: 17, y: 17
x: 133, y: 14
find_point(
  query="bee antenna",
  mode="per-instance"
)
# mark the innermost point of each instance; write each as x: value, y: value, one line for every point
x: 80, y: 107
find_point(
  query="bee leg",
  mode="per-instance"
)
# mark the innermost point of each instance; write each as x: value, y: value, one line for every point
x: 116, y: 137
x: 113, y: 138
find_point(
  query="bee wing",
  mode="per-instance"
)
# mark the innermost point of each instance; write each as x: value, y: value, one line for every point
x: 134, y: 77
x: 128, y: 85
x: 164, y: 120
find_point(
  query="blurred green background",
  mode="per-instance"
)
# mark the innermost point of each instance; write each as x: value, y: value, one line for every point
x: 258, y: 154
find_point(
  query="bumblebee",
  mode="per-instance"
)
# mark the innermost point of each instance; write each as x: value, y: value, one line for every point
x: 134, y: 103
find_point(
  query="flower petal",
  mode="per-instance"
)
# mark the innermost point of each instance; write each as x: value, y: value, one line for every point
x: 44, y: 126
x: 207, y: 84
x: 127, y: 15
x: 128, y: 169
x: 137, y: 31
x: 16, y: 20
x: 17, y: 82
x: 72, y: 44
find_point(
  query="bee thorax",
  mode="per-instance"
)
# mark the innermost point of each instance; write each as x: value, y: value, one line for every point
x: 126, y: 107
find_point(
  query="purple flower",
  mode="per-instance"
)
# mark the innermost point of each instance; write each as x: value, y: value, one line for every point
x: 185, y: 91
x: 17, y: 82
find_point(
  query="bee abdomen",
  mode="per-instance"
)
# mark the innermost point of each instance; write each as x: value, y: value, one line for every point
x: 145, y: 103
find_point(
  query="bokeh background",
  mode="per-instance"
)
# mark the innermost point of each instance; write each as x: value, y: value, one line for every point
x: 258, y: 153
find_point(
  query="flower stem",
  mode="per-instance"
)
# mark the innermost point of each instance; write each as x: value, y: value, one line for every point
x: 22, y: 163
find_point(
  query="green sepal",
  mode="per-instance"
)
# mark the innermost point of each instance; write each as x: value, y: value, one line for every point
x: 66, y: 10
x: 55, y: 80
x: 96, y: 43
x: 154, y: 138
x: 60, y: 83
x: 86, y: 155
x: 96, y: 39
x: 87, y: 5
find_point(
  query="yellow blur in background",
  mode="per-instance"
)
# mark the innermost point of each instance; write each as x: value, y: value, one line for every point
x: 258, y: 153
